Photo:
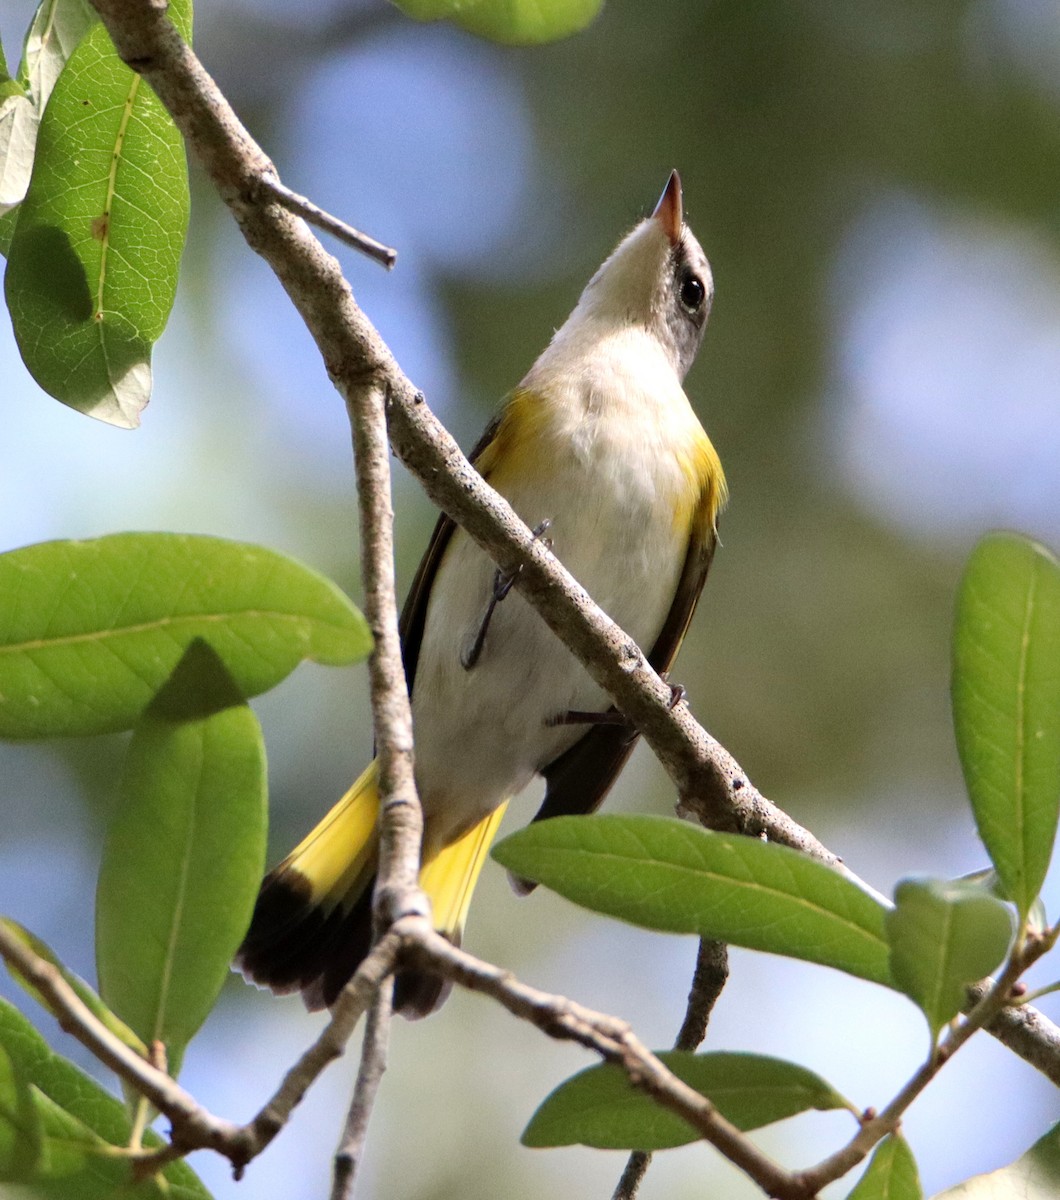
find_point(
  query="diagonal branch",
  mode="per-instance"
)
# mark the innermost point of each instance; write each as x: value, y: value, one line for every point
x: 710, y: 783
x: 369, y: 1076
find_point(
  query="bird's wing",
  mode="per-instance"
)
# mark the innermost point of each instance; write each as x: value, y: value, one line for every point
x: 580, y: 778
x: 414, y: 611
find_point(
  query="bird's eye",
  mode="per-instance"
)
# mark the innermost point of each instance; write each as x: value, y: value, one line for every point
x: 692, y: 293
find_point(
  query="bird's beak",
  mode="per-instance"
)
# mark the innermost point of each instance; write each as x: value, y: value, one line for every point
x: 668, y: 210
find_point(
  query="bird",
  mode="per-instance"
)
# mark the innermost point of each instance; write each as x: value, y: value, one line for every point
x: 599, y: 452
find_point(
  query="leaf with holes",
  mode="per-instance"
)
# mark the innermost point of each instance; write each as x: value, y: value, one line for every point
x: 668, y: 875
x: 1006, y: 705
x: 93, y: 262
x: 600, y: 1107
x: 184, y: 855
x: 90, y: 629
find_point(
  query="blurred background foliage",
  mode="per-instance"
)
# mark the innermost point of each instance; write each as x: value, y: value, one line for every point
x: 877, y: 185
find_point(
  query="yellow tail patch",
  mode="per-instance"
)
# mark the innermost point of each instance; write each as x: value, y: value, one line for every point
x: 340, y: 852
x: 338, y: 857
x: 450, y: 876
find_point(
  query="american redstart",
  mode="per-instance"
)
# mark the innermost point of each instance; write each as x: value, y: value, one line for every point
x: 599, y: 451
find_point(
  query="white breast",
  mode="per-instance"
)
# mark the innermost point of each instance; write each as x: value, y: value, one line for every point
x: 603, y: 469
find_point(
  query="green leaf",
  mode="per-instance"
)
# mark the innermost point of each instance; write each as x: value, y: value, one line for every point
x: 184, y: 856
x: 1033, y: 1176
x: 20, y: 1132
x: 92, y: 266
x: 55, y: 31
x: 85, y: 994
x: 90, y: 630
x: 514, y: 22
x: 599, y: 1106
x: 891, y: 1174
x: 73, y: 1093
x: 668, y: 875
x: 944, y: 935
x: 1006, y: 705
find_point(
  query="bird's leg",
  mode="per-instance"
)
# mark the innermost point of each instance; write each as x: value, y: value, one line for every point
x: 503, y: 582
x: 612, y: 716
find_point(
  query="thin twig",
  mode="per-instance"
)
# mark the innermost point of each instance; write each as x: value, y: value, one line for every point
x: 708, y: 982
x: 992, y: 999
x: 352, y: 1003
x: 303, y: 207
x: 369, y: 1076
x: 192, y: 1124
x: 615, y: 1042
x: 401, y: 826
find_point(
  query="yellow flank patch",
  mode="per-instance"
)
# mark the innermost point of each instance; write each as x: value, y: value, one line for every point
x: 450, y: 877
x: 522, y: 439
x: 343, y: 846
x: 707, y: 489
x: 520, y: 431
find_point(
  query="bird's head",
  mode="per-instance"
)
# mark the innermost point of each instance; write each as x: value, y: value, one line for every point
x: 658, y: 277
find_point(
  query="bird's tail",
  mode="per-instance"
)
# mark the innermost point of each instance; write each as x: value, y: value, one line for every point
x: 312, y: 923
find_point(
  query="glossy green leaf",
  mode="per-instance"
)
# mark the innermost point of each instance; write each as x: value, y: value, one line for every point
x: 891, y: 1174
x: 514, y: 22
x: 666, y: 874
x: 89, y: 630
x: 183, y: 858
x: 1033, y: 1176
x: 600, y: 1107
x: 945, y: 935
x: 85, y: 994
x: 92, y: 266
x: 1006, y: 705
x: 72, y: 1092
x: 57, y: 28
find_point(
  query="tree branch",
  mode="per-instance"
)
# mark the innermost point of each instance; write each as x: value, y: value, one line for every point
x: 303, y: 207
x: 708, y: 982
x: 710, y: 782
x: 369, y: 1076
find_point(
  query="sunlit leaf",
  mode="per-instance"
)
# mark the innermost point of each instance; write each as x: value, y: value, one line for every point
x: 73, y: 1093
x: 668, y: 875
x: 184, y: 856
x: 600, y: 1107
x: 891, y: 1174
x: 17, y: 139
x: 944, y: 935
x: 89, y: 630
x: 516, y: 22
x: 92, y: 266
x: 57, y: 27
x: 1006, y: 705
x: 85, y: 994
x: 54, y: 34
x: 1033, y: 1176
